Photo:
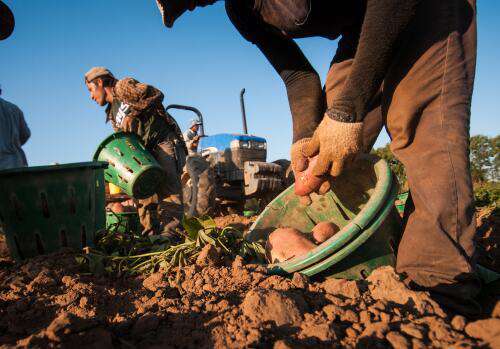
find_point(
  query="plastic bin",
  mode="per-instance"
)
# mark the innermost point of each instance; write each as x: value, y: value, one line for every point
x: 45, y: 208
x: 123, y: 222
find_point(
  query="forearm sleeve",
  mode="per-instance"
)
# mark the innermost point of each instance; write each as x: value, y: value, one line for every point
x: 302, y: 82
x: 384, y: 22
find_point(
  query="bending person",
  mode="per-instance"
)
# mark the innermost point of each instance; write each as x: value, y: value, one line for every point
x: 408, y: 65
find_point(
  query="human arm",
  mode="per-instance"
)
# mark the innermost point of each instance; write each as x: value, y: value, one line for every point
x: 302, y: 82
x: 24, y: 131
x: 338, y: 139
x: 384, y: 22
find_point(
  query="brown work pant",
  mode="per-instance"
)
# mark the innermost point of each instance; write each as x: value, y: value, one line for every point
x: 425, y: 106
x: 162, y: 213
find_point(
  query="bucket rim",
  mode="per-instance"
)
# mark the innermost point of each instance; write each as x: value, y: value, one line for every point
x: 58, y: 167
x: 111, y: 213
x: 108, y: 139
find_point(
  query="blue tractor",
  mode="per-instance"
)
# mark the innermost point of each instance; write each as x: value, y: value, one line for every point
x: 228, y: 169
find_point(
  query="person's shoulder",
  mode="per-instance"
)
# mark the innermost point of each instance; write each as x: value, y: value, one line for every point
x: 128, y: 89
x: 127, y: 81
x: 5, y: 102
x: 11, y: 107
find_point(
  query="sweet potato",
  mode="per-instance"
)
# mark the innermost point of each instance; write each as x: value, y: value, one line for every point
x: 323, y: 231
x: 305, y: 181
x: 286, y: 243
x: 117, y: 208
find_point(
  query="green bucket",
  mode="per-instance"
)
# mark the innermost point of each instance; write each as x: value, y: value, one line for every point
x: 123, y: 222
x: 361, y: 204
x: 131, y: 166
x: 45, y: 208
x: 401, y: 202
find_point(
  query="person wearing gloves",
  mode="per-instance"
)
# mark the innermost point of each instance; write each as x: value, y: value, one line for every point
x: 408, y: 65
x: 191, y: 137
x: 135, y: 107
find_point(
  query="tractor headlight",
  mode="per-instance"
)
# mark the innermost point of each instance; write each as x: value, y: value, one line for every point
x: 259, y: 145
x: 245, y: 144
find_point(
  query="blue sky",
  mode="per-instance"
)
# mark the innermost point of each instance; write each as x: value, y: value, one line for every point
x: 202, y: 62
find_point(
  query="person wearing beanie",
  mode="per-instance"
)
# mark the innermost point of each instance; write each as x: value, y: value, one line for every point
x: 135, y: 107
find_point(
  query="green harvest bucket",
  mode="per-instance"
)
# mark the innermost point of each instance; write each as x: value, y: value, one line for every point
x: 361, y: 204
x: 45, y: 208
x: 123, y: 222
x: 132, y: 167
x: 401, y: 202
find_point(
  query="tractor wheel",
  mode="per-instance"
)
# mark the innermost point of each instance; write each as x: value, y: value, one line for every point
x: 198, y: 187
x: 287, y: 177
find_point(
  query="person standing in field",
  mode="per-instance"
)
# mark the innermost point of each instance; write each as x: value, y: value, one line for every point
x: 135, y: 107
x: 14, y: 133
x: 191, y: 137
x: 406, y: 65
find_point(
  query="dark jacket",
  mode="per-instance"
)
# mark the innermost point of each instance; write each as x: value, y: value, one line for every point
x: 143, y: 103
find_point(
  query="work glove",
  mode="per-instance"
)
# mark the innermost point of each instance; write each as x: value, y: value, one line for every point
x: 299, y: 159
x: 337, y: 143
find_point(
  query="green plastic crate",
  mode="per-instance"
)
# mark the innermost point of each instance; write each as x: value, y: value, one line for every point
x: 45, y: 208
x: 123, y: 222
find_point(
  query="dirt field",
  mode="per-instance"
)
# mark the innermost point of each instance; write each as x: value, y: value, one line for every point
x: 488, y: 238
x: 47, y: 302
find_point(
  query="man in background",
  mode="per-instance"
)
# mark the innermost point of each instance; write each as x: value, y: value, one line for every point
x: 14, y: 133
x: 191, y: 137
x: 135, y: 107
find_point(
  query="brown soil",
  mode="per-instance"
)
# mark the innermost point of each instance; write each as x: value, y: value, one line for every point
x: 46, y: 302
x: 239, y: 222
x: 488, y: 237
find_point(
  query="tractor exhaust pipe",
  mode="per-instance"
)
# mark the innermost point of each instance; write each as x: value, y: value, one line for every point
x: 243, y: 112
